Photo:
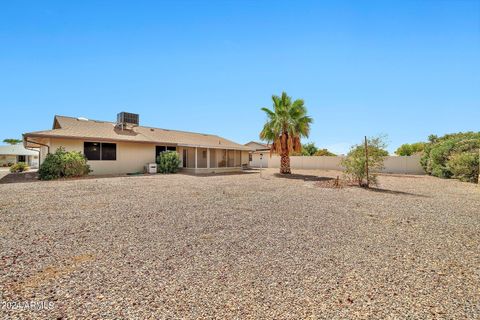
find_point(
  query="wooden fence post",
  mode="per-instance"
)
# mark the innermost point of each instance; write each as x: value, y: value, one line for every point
x: 366, y: 161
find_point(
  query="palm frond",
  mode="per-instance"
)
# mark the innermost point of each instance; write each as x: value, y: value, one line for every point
x: 287, y: 122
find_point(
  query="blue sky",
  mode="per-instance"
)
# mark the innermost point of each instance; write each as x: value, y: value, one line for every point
x: 403, y: 68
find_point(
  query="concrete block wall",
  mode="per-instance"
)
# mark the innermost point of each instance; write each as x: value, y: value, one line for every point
x: 392, y: 164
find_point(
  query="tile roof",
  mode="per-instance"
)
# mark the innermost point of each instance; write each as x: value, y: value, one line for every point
x: 69, y: 127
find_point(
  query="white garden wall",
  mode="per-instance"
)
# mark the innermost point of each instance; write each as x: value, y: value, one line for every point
x: 392, y: 164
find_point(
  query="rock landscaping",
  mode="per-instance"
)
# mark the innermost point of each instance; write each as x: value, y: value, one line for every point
x: 240, y: 246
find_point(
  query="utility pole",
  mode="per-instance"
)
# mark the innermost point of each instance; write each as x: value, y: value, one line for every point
x: 366, y: 161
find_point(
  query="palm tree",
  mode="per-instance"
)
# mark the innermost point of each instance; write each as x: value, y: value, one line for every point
x: 12, y: 141
x: 286, y: 124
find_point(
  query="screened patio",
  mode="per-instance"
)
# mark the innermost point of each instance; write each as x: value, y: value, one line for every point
x: 207, y: 159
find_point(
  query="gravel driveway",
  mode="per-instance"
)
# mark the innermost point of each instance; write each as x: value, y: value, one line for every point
x: 240, y: 246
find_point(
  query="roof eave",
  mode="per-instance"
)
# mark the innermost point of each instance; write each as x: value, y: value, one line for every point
x: 39, y: 135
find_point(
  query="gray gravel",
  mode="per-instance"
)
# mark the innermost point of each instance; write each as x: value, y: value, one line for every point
x: 240, y: 246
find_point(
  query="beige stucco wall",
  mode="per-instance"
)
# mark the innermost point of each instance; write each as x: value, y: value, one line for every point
x: 131, y: 157
x: 256, y: 162
x: 392, y: 164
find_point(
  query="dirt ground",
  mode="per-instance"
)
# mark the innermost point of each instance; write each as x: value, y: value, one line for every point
x: 252, y: 245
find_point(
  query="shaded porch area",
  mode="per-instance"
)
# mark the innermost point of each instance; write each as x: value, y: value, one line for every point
x: 212, y: 160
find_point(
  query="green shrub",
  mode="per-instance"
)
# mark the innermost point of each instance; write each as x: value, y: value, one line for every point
x: 63, y: 164
x: 355, y: 161
x: 168, y: 162
x: 464, y: 166
x: 19, y: 167
x: 441, y: 156
x: 409, y: 149
x: 309, y: 149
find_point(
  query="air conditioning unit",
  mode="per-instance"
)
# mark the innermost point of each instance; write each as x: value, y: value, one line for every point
x: 126, y: 118
x: 151, y: 168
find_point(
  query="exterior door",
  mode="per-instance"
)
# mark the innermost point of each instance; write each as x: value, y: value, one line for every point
x: 184, y: 158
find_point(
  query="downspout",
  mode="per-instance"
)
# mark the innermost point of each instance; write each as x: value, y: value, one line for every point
x: 40, y: 144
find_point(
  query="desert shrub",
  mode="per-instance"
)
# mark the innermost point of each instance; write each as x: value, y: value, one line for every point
x: 464, y: 166
x: 355, y: 161
x: 441, y: 156
x: 309, y: 149
x: 63, y: 164
x: 168, y: 162
x: 409, y: 149
x: 19, y: 167
x: 323, y: 152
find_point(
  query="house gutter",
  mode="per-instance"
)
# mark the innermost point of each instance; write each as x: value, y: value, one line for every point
x: 40, y: 144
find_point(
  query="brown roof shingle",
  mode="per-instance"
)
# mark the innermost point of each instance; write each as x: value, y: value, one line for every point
x: 92, y: 129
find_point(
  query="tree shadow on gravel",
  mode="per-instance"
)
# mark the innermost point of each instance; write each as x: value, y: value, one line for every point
x: 395, y: 192
x: 303, y: 177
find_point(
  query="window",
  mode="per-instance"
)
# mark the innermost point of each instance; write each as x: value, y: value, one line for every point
x: 250, y: 157
x: 100, y: 151
x: 160, y: 149
x: 91, y: 150
x: 109, y: 151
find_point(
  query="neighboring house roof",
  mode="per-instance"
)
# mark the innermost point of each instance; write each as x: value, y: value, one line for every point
x: 80, y: 128
x: 17, y: 149
x: 257, y: 146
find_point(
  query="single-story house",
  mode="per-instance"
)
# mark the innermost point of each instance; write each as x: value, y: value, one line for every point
x: 126, y: 147
x: 11, y: 154
x: 258, y: 158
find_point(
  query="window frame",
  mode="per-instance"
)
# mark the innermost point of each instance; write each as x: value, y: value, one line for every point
x: 100, y: 150
x: 102, y: 154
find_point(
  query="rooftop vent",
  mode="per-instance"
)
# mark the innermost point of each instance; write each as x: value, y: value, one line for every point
x: 82, y: 119
x: 125, y: 119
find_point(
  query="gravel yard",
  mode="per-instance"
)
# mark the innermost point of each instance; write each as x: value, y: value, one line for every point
x: 240, y: 246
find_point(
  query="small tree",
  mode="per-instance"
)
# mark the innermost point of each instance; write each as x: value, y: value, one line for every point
x: 168, y: 162
x: 12, y: 141
x: 355, y: 162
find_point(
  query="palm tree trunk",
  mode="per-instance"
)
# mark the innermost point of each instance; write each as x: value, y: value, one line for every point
x: 285, y: 164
